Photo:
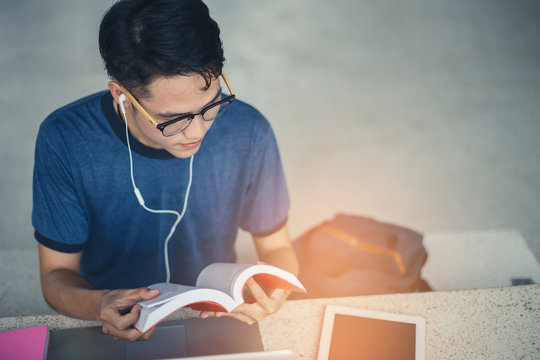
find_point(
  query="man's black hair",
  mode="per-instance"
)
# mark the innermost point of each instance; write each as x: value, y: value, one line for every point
x: 140, y: 40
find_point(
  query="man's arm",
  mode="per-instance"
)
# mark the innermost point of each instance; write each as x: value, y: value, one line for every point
x: 66, y: 291
x: 277, y: 250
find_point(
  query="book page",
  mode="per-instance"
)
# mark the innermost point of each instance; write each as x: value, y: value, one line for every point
x: 231, y: 278
x: 167, y: 292
x: 189, y: 296
x: 221, y: 276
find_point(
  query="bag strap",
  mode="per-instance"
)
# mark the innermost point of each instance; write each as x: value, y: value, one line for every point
x: 359, y: 244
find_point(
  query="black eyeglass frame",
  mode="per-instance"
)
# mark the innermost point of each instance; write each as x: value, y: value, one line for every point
x: 229, y: 99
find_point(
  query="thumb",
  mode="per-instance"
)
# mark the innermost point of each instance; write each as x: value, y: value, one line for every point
x: 145, y: 293
x: 150, y: 294
x: 273, y: 293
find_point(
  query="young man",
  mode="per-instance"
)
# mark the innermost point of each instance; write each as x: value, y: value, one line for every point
x: 149, y: 181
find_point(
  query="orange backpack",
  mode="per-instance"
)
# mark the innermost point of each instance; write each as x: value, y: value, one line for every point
x: 353, y: 255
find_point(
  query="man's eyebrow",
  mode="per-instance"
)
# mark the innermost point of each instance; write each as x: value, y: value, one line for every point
x: 170, y: 115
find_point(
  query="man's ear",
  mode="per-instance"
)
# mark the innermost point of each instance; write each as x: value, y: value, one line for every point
x: 116, y: 90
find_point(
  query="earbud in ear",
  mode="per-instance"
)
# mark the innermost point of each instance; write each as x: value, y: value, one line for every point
x: 121, y: 100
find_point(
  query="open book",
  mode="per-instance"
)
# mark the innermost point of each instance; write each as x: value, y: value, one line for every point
x: 219, y: 287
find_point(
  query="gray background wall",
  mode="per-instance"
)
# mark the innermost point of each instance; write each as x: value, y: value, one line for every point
x: 424, y: 113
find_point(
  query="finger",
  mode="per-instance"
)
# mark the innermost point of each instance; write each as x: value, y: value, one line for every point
x: 147, y: 335
x: 256, y: 290
x: 130, y: 334
x: 150, y: 294
x: 205, y: 314
x: 130, y: 318
x: 273, y: 293
x: 255, y: 312
x: 111, y: 314
x: 242, y: 317
x: 142, y: 293
x: 260, y: 296
x: 121, y: 303
x: 122, y: 322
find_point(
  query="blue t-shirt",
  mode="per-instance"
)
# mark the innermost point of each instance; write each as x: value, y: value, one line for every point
x: 83, y: 199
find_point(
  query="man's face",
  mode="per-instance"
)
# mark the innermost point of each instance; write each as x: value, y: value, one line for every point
x: 171, y: 97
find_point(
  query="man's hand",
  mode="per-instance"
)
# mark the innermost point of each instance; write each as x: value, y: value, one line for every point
x: 264, y: 305
x: 274, y: 249
x: 119, y: 311
x: 66, y: 291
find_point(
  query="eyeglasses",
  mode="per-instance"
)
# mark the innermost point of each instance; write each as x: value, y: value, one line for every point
x: 179, y: 124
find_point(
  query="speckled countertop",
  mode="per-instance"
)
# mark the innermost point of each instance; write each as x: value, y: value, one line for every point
x: 498, y: 323
x: 56, y: 322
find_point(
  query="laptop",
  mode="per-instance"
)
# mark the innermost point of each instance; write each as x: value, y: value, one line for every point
x: 352, y: 333
x: 259, y: 355
x: 170, y: 340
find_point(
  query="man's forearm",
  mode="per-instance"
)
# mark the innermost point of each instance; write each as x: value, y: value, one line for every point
x: 276, y: 249
x: 284, y: 258
x: 70, y: 294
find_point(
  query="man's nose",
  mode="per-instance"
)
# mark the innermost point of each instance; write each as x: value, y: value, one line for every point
x: 196, y: 128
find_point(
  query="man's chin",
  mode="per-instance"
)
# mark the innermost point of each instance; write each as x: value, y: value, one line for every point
x: 181, y: 152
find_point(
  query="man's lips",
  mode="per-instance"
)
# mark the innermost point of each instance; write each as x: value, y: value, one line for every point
x: 192, y: 144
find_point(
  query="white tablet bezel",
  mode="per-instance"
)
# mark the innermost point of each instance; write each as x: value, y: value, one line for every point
x: 332, y: 310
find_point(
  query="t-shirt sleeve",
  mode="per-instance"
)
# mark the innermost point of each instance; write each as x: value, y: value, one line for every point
x: 266, y: 204
x: 58, y: 217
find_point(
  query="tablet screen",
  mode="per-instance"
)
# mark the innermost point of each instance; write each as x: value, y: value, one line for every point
x: 350, y: 333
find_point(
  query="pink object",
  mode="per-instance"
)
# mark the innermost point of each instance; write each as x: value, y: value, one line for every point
x: 25, y: 344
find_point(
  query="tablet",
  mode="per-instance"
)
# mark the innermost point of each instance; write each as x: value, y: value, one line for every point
x: 351, y: 333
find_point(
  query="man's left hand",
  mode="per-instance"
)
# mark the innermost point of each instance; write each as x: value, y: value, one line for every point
x: 264, y: 305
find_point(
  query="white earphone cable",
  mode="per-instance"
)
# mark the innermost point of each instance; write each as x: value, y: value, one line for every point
x: 179, y: 216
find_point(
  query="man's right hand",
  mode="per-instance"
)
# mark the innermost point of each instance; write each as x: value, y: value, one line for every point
x: 66, y: 291
x: 119, y: 311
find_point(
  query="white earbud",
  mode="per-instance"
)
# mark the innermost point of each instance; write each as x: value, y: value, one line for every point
x: 121, y: 100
